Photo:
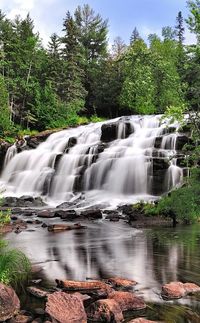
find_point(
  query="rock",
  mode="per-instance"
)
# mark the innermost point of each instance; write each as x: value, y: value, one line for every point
x: 113, y: 217
x: 181, y: 141
x: 46, y: 214
x: 21, y: 319
x: 142, y: 320
x: 23, y: 201
x: 160, y: 164
x: 118, y: 282
x: 64, y: 227
x: 66, y: 215
x: 37, y: 292
x: 39, y: 311
x: 3, y: 149
x: 109, y: 132
x: 175, y: 290
x: 191, y: 288
x: 128, y: 301
x: 105, y: 310
x: 9, y: 302
x: 86, y: 287
x: 66, y: 308
x: 71, y: 143
x: 44, y: 225
x: 92, y: 214
x: 6, y: 228
x: 36, y: 281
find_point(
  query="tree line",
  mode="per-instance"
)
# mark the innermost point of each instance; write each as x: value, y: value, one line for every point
x: 77, y: 75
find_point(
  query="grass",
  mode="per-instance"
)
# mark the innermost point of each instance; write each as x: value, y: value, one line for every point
x: 15, y: 267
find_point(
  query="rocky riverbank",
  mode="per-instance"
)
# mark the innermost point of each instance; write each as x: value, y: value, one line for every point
x: 111, y: 300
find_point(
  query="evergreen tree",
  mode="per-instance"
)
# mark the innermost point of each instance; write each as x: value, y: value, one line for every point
x: 73, y: 88
x: 92, y: 35
x: 134, y: 36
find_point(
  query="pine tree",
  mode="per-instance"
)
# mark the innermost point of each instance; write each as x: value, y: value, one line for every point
x: 72, y: 84
x: 92, y: 36
x: 180, y: 30
x: 134, y: 36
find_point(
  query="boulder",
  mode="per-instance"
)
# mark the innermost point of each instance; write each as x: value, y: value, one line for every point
x: 175, y: 290
x: 105, y: 310
x: 66, y: 308
x: 9, y: 302
x: 118, y: 282
x: 128, y: 301
x: 85, y: 286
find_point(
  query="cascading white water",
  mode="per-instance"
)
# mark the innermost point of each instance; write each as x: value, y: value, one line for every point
x: 77, y: 160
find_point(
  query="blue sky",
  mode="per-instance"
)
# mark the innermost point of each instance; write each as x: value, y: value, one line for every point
x: 148, y: 15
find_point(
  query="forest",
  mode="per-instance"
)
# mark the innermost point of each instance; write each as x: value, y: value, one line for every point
x: 79, y: 77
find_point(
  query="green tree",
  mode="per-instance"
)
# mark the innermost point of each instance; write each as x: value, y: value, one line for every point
x: 92, y: 35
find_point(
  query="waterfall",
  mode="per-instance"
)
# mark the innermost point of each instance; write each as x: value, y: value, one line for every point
x: 128, y: 158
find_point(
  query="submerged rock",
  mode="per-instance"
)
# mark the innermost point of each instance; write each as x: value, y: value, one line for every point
x: 64, y: 227
x: 37, y: 292
x: 175, y: 290
x: 66, y: 308
x: 46, y: 214
x: 9, y: 303
x: 105, y: 310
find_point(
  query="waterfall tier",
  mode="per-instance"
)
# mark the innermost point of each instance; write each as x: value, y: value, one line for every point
x: 129, y: 158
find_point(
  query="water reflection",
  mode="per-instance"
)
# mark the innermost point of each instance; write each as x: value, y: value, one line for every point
x: 151, y: 257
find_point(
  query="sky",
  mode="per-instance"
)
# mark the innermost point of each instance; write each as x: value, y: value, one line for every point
x: 149, y: 16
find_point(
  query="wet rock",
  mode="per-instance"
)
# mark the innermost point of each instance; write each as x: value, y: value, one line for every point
x: 39, y: 311
x: 37, y: 292
x: 85, y: 287
x: 191, y: 288
x: 113, y: 217
x: 23, y: 201
x: 21, y: 319
x: 142, y: 320
x: 64, y: 227
x: 36, y: 281
x: 14, y: 217
x: 66, y: 308
x: 66, y: 215
x: 158, y: 142
x: 3, y: 149
x: 44, y: 225
x: 109, y: 132
x: 105, y: 310
x: 71, y: 143
x: 46, y: 214
x: 128, y: 301
x: 175, y: 290
x: 160, y: 164
x: 91, y: 214
x: 9, y: 302
x: 6, y: 228
x: 118, y: 282
x: 181, y: 141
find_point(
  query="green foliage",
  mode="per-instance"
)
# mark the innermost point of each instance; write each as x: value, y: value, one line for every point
x: 183, y: 203
x: 5, y: 217
x: 14, y: 266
